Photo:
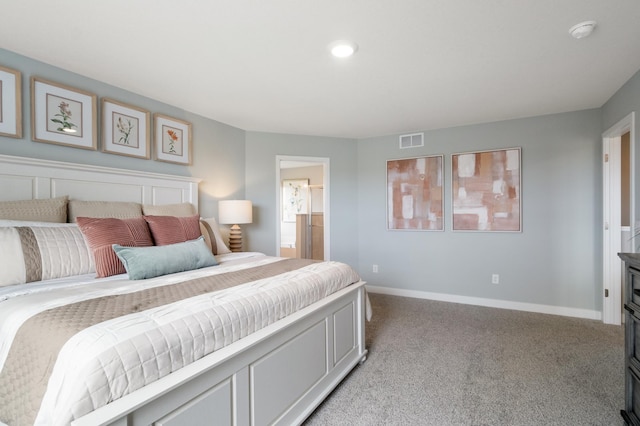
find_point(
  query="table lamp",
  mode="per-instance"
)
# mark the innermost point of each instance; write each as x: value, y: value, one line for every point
x: 235, y: 212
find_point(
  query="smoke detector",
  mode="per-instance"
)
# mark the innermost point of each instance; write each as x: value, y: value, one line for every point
x: 583, y: 29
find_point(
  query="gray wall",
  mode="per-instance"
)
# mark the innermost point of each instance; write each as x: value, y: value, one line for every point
x: 218, y: 148
x: 556, y: 260
x: 262, y: 149
x: 621, y: 104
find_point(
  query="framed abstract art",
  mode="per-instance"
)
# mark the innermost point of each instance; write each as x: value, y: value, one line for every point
x: 414, y: 194
x: 486, y: 190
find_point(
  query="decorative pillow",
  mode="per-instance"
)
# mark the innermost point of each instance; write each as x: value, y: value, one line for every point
x: 47, y: 210
x: 170, y: 229
x: 214, y: 235
x: 102, y: 233
x: 149, y: 262
x: 179, y: 210
x: 14, y: 223
x: 36, y: 253
x: 103, y: 209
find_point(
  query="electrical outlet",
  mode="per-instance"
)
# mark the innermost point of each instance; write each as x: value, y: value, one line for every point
x: 495, y: 279
x: 375, y: 269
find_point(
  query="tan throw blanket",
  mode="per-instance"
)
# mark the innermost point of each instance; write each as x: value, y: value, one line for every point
x: 25, y: 375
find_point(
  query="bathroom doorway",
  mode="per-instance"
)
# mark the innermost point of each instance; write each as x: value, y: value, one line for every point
x: 303, y: 219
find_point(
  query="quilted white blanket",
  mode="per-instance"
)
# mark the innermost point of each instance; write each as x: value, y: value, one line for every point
x: 113, y: 358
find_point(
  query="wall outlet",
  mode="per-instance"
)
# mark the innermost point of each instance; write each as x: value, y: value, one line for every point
x: 375, y: 269
x: 495, y: 279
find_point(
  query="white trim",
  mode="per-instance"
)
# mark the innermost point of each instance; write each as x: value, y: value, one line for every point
x: 627, y: 124
x: 326, y: 196
x: 491, y: 303
x: 612, y: 270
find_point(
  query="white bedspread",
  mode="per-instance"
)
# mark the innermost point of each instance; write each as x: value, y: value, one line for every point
x: 116, y: 357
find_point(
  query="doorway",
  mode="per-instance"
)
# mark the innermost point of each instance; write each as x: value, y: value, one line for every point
x: 303, y: 217
x: 618, y: 212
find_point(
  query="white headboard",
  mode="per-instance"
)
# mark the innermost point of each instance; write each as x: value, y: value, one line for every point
x: 28, y: 178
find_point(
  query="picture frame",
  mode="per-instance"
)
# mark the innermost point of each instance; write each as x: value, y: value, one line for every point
x: 486, y: 191
x: 63, y: 115
x: 10, y: 102
x: 415, y: 195
x: 295, y: 198
x: 172, y: 139
x: 126, y: 129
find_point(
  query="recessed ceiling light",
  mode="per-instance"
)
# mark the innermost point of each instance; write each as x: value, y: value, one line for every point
x: 343, y: 48
x: 583, y: 29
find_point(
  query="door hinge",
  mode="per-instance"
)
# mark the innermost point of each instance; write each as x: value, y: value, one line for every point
x: 606, y: 292
x: 606, y: 158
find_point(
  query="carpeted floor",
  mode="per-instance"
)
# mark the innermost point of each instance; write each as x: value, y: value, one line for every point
x: 437, y: 363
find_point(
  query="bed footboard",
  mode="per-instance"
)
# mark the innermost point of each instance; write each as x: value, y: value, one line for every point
x: 277, y: 375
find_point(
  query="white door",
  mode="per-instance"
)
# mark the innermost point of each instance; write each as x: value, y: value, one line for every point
x: 611, y: 226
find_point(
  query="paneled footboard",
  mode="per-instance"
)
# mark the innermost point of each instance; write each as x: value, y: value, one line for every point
x: 277, y: 375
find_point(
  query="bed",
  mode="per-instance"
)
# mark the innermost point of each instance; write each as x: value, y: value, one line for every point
x: 249, y: 340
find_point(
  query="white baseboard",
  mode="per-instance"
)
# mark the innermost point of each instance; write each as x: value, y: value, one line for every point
x: 492, y: 303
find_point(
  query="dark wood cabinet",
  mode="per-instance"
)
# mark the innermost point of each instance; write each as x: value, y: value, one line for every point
x: 631, y: 412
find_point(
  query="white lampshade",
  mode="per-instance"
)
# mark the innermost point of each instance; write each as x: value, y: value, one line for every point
x: 235, y: 212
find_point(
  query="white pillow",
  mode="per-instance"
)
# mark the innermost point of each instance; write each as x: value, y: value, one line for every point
x: 5, y: 222
x: 211, y: 233
x: 37, y: 253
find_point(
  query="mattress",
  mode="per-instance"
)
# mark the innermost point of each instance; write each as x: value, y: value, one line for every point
x: 116, y: 336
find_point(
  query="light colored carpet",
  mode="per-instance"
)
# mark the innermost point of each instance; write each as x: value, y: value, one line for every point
x: 437, y: 363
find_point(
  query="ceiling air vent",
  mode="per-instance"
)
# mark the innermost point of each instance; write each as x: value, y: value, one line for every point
x: 412, y: 141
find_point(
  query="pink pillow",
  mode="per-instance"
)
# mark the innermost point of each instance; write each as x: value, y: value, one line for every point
x: 100, y: 234
x: 171, y: 229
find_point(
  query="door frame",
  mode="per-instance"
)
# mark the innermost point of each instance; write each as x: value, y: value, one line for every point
x: 324, y: 161
x: 611, y: 227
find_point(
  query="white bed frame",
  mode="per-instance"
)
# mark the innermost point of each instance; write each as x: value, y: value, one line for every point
x: 277, y: 375
x: 27, y: 178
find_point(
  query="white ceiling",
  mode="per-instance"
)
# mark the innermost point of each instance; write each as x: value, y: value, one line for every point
x: 264, y: 65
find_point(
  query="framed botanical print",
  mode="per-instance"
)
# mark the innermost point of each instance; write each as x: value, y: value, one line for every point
x: 126, y: 129
x: 172, y: 139
x: 414, y: 194
x: 10, y: 103
x: 295, y: 198
x: 63, y: 115
x: 486, y: 191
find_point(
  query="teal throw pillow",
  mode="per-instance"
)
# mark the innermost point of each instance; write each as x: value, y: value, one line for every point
x: 149, y: 262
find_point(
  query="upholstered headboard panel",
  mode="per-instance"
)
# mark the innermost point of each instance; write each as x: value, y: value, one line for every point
x: 27, y: 178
